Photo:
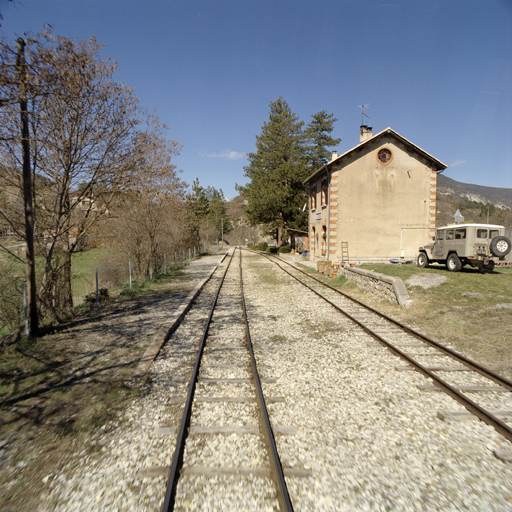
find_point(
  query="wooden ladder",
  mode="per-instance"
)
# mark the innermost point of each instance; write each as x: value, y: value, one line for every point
x: 344, y: 252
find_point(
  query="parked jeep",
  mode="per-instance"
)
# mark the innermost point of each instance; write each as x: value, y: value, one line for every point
x: 478, y: 245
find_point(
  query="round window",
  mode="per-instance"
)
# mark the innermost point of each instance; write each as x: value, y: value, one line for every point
x: 384, y: 156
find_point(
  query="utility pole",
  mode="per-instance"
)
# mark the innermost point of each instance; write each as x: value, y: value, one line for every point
x: 21, y: 68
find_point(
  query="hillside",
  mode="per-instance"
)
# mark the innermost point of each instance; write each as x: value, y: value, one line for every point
x: 475, y: 202
x: 498, y: 196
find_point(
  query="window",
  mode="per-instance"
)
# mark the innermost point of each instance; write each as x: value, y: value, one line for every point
x: 481, y: 233
x: 440, y: 235
x: 325, y: 191
x: 313, y: 197
x: 493, y: 233
x: 384, y: 156
x: 460, y: 234
x: 450, y: 235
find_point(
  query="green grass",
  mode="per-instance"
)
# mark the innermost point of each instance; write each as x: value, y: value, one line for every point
x: 494, y: 288
x: 84, y: 276
x: 83, y: 265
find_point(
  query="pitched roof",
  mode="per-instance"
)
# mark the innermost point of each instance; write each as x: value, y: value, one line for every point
x: 388, y: 131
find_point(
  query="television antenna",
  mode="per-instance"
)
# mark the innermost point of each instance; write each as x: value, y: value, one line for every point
x: 364, y: 107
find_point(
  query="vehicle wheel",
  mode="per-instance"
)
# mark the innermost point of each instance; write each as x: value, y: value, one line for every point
x: 500, y: 246
x: 453, y: 263
x: 422, y: 260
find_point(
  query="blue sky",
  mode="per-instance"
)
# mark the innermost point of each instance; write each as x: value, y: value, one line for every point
x: 439, y: 72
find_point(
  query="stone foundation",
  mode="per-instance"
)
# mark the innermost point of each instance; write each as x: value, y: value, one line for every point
x: 390, y: 288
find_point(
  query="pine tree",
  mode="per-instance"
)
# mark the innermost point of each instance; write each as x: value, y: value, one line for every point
x: 199, y: 202
x: 208, y: 212
x: 276, y: 171
x: 218, y: 213
x: 319, y: 139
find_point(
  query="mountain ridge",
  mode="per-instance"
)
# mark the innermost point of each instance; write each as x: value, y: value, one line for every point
x: 500, y: 197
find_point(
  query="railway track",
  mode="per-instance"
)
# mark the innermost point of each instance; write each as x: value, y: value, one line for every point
x: 354, y: 430
x: 225, y: 398
x: 449, y: 371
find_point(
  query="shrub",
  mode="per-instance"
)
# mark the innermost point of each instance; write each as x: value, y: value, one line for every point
x: 262, y: 246
x: 136, y: 288
x: 272, y: 250
x: 285, y: 249
x: 103, y: 296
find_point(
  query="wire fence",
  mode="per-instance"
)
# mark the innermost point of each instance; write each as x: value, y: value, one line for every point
x: 95, y: 285
x: 173, y: 262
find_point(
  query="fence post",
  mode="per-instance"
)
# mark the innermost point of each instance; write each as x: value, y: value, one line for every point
x: 25, y: 308
x: 97, y: 290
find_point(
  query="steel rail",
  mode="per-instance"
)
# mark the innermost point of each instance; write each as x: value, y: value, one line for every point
x: 486, y: 372
x: 469, y: 404
x: 285, y: 504
x: 177, y: 460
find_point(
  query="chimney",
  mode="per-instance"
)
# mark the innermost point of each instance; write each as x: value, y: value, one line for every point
x: 334, y: 155
x: 365, y: 132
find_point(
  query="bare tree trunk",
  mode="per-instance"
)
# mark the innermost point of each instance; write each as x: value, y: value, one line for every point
x: 27, y: 193
x: 279, y: 236
x: 66, y: 307
x: 66, y: 295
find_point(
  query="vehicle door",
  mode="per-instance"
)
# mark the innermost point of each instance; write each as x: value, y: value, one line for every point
x: 438, y: 247
x: 459, y: 243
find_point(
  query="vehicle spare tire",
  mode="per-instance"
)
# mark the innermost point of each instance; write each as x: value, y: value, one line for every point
x: 500, y: 246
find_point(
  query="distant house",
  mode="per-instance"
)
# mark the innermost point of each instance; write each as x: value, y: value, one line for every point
x: 375, y: 202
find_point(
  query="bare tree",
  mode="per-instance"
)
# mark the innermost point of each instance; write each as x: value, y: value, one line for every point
x: 152, y: 219
x: 90, y: 141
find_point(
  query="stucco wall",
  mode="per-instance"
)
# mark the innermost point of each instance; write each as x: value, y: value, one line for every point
x: 319, y: 222
x: 384, y: 210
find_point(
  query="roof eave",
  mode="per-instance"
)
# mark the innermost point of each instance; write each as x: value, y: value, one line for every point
x: 440, y: 165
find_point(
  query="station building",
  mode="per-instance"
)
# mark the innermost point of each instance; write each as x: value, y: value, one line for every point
x: 375, y: 202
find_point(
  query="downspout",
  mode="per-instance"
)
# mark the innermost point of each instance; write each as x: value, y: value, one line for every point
x: 328, y: 212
